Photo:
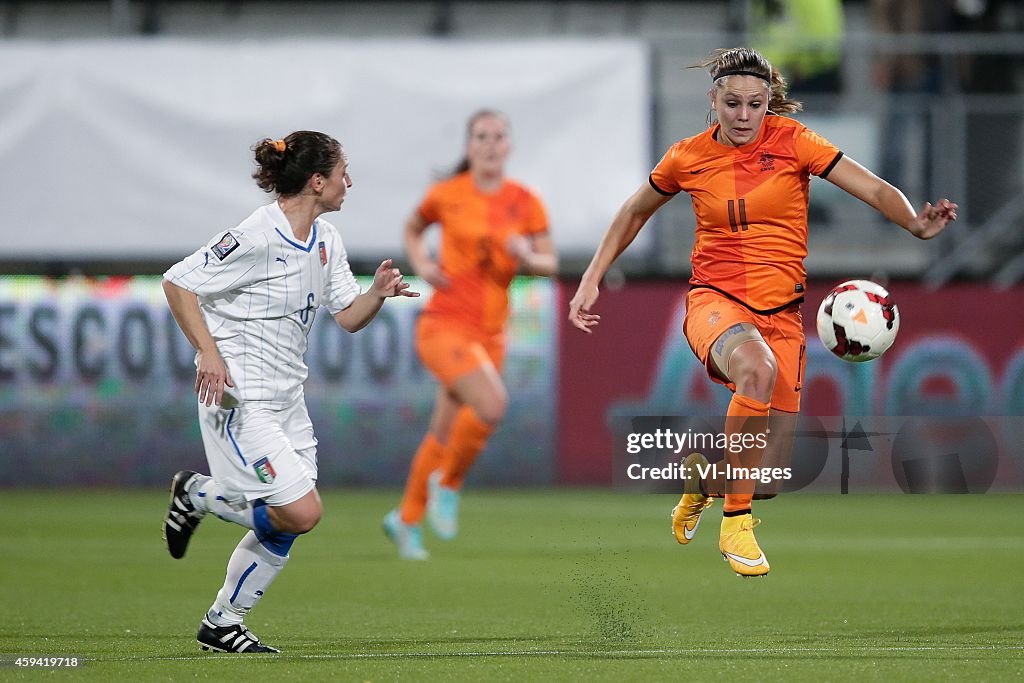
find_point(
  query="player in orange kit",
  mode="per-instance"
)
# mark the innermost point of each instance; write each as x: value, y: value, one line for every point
x: 748, y: 177
x: 491, y: 226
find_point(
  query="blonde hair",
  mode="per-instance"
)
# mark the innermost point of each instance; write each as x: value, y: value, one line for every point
x: 733, y: 61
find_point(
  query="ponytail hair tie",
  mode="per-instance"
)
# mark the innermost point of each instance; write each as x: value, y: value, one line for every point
x: 279, y: 145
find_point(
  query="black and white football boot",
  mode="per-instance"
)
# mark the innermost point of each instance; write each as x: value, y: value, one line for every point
x: 182, y: 517
x: 236, y: 638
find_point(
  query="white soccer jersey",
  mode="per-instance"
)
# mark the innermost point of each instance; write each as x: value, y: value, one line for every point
x: 259, y: 289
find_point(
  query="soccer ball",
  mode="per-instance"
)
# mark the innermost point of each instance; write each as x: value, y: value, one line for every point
x: 858, y: 321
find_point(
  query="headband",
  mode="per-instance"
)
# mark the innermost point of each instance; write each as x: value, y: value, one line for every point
x: 279, y: 145
x: 741, y: 72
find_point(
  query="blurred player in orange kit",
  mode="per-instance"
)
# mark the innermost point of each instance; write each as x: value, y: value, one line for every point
x: 748, y: 177
x: 491, y: 227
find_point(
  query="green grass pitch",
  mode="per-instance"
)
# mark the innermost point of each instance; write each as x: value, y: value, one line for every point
x: 540, y: 585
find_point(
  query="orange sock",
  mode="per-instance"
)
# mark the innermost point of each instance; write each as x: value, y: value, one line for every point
x: 746, y: 420
x: 429, y: 457
x: 467, y: 438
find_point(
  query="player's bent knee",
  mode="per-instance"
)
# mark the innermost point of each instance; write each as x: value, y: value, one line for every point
x: 492, y: 411
x: 305, y: 524
x: 755, y: 377
x: 495, y: 413
x: 756, y: 385
x: 299, y: 523
x: 752, y: 358
x: 299, y: 517
x: 307, y: 519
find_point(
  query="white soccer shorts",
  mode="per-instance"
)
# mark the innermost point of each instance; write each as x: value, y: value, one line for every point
x: 257, y: 452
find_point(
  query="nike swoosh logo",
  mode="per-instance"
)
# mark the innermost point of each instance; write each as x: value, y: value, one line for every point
x: 746, y: 560
x: 690, y: 533
x: 699, y: 170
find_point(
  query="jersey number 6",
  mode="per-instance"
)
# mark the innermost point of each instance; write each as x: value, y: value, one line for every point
x: 304, y: 313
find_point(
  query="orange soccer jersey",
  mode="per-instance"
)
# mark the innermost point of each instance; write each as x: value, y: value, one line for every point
x: 475, y: 228
x: 751, y: 208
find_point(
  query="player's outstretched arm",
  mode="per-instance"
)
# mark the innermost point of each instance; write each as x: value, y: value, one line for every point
x: 387, y: 282
x: 631, y: 217
x: 211, y: 370
x: 891, y: 202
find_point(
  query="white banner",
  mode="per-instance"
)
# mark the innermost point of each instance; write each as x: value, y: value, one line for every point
x: 141, y: 149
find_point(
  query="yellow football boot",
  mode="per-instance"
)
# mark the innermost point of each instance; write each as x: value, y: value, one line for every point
x: 686, y: 515
x: 740, y: 548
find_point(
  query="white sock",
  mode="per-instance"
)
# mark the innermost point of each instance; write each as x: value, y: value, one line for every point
x: 208, y: 497
x: 251, y: 570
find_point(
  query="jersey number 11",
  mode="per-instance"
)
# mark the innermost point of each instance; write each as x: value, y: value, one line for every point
x: 743, y: 215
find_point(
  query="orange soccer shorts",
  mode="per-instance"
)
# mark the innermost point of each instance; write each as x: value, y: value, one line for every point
x: 709, y: 314
x: 451, y: 351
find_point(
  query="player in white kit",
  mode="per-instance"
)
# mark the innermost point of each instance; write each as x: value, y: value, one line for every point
x: 246, y: 301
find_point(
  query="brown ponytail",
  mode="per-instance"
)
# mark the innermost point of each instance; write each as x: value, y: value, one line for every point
x: 284, y: 166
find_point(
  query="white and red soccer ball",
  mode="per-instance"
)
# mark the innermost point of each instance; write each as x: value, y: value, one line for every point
x: 858, y: 321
